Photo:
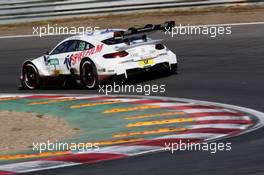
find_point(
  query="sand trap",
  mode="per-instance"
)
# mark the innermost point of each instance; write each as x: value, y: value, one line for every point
x: 19, y: 130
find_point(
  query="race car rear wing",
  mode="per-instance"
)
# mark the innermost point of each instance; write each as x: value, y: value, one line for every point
x: 138, y: 44
x: 166, y: 26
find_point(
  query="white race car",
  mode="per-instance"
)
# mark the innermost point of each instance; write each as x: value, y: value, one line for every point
x: 98, y: 56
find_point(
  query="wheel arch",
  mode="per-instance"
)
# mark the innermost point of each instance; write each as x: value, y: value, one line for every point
x: 28, y: 62
x: 93, y: 65
x: 85, y: 59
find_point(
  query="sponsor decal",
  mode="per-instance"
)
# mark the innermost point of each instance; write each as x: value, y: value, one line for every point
x: 54, y: 62
x: 67, y: 62
x: 111, y: 70
x: 101, y: 70
x: 75, y: 58
x: 56, y: 72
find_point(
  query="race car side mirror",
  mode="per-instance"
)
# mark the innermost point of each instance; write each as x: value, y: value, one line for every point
x: 46, y: 56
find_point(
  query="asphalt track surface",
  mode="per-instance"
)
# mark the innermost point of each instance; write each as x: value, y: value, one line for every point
x: 227, y: 69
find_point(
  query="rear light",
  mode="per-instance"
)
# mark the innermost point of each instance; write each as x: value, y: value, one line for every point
x: 118, y: 34
x: 159, y: 46
x: 116, y: 54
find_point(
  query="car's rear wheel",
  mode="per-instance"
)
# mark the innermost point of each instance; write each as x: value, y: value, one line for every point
x: 30, y: 77
x: 174, y: 68
x: 88, y: 73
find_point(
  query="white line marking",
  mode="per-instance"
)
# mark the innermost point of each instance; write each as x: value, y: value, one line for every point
x: 170, y: 104
x: 27, y: 36
x: 123, y: 150
x: 35, y: 166
x: 123, y: 99
x: 222, y: 118
x: 218, y: 126
x: 192, y: 136
x: 12, y: 95
x: 233, y: 24
x: 191, y: 111
x: 228, y: 24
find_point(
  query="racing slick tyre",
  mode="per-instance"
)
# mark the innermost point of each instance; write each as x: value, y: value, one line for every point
x: 88, y: 75
x: 30, y: 77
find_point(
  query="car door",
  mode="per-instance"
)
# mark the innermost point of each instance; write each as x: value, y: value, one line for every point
x: 73, y: 61
x: 58, y: 56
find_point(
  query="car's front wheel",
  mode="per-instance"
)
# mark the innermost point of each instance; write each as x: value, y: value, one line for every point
x: 88, y: 75
x: 30, y: 77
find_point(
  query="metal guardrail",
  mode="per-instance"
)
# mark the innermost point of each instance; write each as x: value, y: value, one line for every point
x: 13, y: 11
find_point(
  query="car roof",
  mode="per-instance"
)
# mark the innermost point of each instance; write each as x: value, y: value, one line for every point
x: 96, y: 36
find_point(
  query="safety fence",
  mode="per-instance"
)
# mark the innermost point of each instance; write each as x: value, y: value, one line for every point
x: 12, y: 11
